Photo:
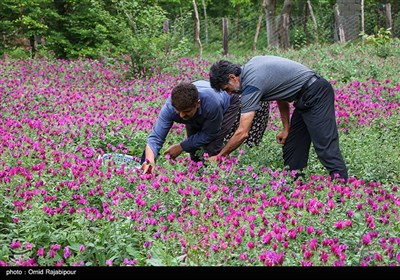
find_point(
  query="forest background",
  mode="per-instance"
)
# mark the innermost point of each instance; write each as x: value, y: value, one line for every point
x: 156, y: 32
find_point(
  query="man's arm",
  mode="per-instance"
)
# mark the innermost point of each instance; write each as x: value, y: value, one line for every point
x: 284, y: 110
x: 241, y: 133
x: 174, y: 151
x: 150, y: 160
x: 157, y: 137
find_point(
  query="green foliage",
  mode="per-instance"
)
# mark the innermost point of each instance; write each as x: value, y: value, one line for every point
x: 381, y: 40
x: 97, y: 29
x: 22, y: 21
x: 18, y: 53
x: 344, y: 63
x: 150, y: 49
x: 134, y: 142
x: 371, y: 152
x: 6, y: 223
x: 299, y: 38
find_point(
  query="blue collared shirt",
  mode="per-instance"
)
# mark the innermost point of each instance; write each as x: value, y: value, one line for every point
x: 207, y: 120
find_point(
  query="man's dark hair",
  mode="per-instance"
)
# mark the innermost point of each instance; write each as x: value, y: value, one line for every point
x: 220, y: 71
x: 184, y: 96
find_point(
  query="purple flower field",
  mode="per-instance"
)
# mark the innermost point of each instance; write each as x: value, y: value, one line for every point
x: 60, y: 206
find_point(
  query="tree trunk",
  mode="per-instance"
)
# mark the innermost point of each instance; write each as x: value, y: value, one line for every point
x: 197, y: 29
x: 339, y: 24
x: 32, y: 43
x: 272, y: 36
x: 284, y: 41
x: 260, y: 16
x: 166, y: 31
x: 305, y: 12
x: 205, y: 19
x: 237, y: 22
x: 388, y: 10
x: 314, y: 20
x: 362, y: 18
x: 225, y: 36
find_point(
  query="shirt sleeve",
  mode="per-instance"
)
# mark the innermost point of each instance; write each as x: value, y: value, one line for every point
x: 160, y: 130
x: 249, y: 98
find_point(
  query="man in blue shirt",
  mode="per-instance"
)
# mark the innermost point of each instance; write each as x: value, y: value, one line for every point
x: 210, y: 118
x: 313, y: 120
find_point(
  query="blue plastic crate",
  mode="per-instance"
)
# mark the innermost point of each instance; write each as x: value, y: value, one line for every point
x: 119, y: 159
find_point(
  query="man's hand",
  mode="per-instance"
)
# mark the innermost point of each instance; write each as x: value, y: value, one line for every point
x: 147, y: 167
x: 281, y: 137
x: 174, y: 151
x: 217, y: 158
x: 284, y: 110
x: 213, y: 158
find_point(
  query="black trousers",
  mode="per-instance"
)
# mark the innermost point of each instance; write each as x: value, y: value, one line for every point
x: 313, y: 120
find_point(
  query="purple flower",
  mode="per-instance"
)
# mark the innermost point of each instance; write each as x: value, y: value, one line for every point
x: 339, y: 225
x: 366, y: 239
x: 28, y: 246
x: 52, y: 253
x: 250, y: 245
x: 40, y: 252
x: 15, y: 244
x: 55, y: 247
x: 67, y: 252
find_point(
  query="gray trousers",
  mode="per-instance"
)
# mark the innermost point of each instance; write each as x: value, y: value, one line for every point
x: 313, y: 120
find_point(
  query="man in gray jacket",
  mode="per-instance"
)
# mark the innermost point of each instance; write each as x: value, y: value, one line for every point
x: 267, y: 78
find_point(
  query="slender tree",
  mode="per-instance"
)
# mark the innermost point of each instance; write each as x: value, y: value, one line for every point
x: 362, y: 18
x: 203, y: 3
x: 284, y: 41
x: 309, y: 7
x: 272, y: 36
x: 260, y: 17
x: 197, y: 29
